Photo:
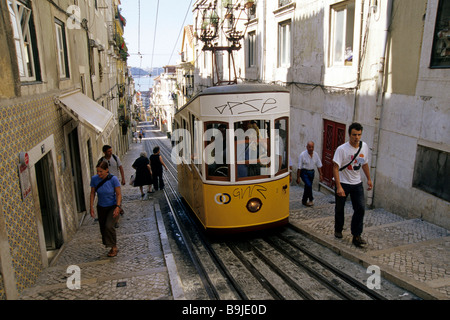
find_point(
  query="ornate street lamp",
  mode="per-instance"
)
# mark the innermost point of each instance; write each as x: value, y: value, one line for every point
x: 209, y: 25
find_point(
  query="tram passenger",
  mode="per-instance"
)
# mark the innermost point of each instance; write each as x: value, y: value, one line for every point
x: 247, y: 149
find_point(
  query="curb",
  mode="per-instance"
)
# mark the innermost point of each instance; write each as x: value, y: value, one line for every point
x: 174, y: 278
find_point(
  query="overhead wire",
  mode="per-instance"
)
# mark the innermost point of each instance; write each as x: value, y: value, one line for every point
x: 182, y: 27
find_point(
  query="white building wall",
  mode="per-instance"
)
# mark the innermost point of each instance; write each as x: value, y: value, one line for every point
x: 410, y: 113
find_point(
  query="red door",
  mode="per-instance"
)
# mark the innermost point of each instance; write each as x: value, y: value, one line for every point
x: 333, y: 137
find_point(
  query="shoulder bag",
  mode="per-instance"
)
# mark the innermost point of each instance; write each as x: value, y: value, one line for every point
x: 354, y: 157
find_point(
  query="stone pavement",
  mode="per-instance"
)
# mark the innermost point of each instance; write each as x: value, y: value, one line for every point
x: 411, y: 253
x: 144, y: 268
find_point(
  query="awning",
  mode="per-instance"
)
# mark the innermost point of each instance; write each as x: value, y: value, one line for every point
x: 87, y: 111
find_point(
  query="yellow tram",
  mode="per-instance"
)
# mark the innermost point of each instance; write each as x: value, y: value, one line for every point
x: 231, y: 146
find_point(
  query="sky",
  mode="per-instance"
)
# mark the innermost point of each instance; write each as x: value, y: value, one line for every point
x: 169, y: 24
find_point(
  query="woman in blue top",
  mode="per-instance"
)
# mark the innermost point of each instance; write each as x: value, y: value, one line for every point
x: 107, y: 188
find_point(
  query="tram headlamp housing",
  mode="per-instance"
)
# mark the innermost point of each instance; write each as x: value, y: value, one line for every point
x: 254, y: 205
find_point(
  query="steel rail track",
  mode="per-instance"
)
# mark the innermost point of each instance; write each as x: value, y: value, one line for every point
x: 350, y: 280
x: 177, y: 206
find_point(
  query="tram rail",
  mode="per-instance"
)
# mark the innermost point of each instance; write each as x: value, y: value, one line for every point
x: 258, y: 257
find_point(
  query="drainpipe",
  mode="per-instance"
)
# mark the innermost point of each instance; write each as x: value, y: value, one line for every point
x: 379, y: 97
x: 84, y: 25
x: 358, y: 70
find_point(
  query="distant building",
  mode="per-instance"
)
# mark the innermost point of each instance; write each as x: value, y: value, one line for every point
x: 186, y: 67
x: 164, y: 98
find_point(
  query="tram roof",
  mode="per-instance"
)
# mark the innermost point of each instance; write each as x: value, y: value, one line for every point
x: 238, y: 89
x: 243, y: 88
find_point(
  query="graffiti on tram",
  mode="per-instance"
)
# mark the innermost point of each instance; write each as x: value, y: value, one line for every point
x: 249, y: 106
x: 240, y: 193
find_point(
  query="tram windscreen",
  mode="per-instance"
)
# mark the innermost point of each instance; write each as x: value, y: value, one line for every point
x: 252, y: 148
x: 215, y: 155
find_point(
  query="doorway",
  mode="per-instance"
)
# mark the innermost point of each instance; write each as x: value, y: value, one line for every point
x: 75, y: 161
x: 48, y: 201
x: 333, y: 137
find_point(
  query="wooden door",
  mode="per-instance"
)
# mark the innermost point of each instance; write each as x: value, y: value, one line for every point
x: 333, y: 137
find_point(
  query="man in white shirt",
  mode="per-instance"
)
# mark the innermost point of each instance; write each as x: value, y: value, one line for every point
x: 308, y: 160
x: 348, y: 159
x: 114, y: 163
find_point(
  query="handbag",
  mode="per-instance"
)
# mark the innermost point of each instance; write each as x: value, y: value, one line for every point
x: 132, y: 178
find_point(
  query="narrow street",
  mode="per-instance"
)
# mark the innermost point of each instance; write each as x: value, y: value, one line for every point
x: 152, y: 264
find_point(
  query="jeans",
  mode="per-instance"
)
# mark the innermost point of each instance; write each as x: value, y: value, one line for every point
x: 356, y: 192
x: 307, y: 178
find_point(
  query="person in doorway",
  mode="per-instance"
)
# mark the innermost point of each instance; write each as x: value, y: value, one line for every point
x: 143, y: 174
x: 156, y: 164
x: 107, y: 188
x: 348, y: 161
x: 307, y: 161
x: 114, y: 163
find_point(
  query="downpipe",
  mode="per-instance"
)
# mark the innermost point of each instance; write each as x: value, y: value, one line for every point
x: 379, y: 96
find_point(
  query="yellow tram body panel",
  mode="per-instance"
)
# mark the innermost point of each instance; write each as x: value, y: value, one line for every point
x: 227, y: 204
x: 224, y: 207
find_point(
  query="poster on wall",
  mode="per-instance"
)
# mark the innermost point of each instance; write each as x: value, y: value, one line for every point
x: 25, y: 185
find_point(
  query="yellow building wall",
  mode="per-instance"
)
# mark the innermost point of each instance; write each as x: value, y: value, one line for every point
x: 405, y: 45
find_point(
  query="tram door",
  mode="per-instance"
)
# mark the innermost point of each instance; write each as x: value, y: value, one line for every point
x: 48, y: 200
x: 333, y: 137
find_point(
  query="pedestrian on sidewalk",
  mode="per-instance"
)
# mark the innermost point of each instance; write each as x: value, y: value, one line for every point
x: 348, y: 161
x: 307, y: 161
x: 140, y: 136
x: 107, y: 188
x: 143, y: 175
x: 114, y: 163
x: 156, y: 163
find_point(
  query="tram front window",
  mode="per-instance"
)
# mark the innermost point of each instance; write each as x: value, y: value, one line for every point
x: 251, y: 148
x: 215, y: 154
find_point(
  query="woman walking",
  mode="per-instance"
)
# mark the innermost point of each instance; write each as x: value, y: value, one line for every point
x: 107, y: 188
x: 143, y: 173
x: 156, y: 163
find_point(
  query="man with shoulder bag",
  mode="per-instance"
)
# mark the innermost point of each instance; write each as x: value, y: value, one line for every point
x: 348, y: 161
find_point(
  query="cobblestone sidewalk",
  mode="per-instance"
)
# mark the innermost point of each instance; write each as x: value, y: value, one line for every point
x: 138, y: 272
x: 412, y: 253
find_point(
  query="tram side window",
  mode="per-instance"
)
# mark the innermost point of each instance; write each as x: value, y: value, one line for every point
x: 197, y: 145
x: 281, y: 140
x: 215, y: 153
x: 252, y: 149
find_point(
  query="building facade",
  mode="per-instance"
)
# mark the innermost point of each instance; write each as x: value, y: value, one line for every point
x: 384, y: 64
x: 59, y: 104
x: 164, y: 98
x: 186, y: 67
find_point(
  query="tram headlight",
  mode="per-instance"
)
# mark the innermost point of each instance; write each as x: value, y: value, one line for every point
x: 254, y: 205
